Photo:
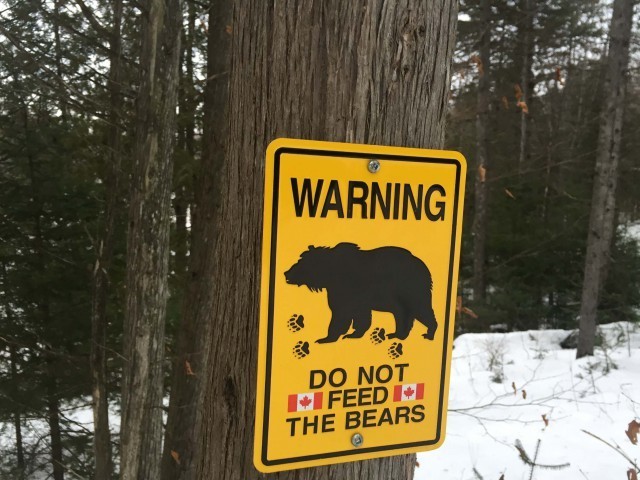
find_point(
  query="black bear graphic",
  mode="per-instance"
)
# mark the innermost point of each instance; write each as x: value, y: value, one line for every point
x: 385, y: 279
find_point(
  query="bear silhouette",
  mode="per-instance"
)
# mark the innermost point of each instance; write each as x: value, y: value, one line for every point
x: 385, y: 279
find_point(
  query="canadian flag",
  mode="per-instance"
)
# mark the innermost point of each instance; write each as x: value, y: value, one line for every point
x: 410, y: 391
x: 302, y: 402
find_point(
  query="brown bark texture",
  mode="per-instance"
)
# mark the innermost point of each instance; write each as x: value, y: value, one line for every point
x: 185, y: 406
x: 603, y: 200
x: 374, y: 72
x: 479, y: 227
x: 148, y: 241
x: 100, y: 287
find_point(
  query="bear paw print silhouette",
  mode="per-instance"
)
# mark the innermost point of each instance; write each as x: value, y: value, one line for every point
x: 395, y: 350
x: 301, y: 349
x: 378, y: 336
x: 296, y: 323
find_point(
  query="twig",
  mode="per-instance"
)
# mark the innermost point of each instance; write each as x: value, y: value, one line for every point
x: 616, y: 448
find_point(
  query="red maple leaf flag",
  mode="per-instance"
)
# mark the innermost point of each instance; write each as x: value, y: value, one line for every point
x: 407, y: 392
x: 304, y: 402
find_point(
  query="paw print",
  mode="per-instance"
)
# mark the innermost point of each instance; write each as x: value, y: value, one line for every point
x: 296, y: 323
x: 301, y: 349
x: 395, y: 350
x: 378, y: 336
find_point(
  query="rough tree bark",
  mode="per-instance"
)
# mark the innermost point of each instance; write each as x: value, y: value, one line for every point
x: 603, y: 200
x: 479, y: 228
x: 148, y: 240
x: 202, y: 281
x: 100, y: 287
x: 376, y: 72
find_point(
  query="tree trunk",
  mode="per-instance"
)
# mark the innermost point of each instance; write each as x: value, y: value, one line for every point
x: 327, y: 70
x: 526, y: 77
x: 101, y: 435
x: 601, y: 221
x: 58, y: 54
x: 44, y: 315
x: 53, y: 418
x: 148, y: 241
x: 183, y: 191
x: 202, y: 281
x: 479, y: 228
x: 17, y: 424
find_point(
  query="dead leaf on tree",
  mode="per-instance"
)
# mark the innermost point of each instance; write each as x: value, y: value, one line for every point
x: 187, y: 368
x: 523, y: 107
x: 482, y: 173
x: 545, y: 420
x: 509, y: 194
x: 469, y: 312
x: 478, y: 61
x: 518, y: 91
x: 631, y: 474
x: 176, y: 456
x: 632, y: 431
x: 524, y: 394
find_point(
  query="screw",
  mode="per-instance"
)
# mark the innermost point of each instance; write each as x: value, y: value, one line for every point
x: 374, y: 166
x: 357, y: 440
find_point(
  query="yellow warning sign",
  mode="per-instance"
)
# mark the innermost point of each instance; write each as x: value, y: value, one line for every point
x: 359, y: 271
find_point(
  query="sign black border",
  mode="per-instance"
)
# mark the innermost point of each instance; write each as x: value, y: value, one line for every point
x: 272, y: 268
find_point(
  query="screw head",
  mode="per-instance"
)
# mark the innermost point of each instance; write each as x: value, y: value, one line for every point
x: 374, y: 166
x: 357, y: 440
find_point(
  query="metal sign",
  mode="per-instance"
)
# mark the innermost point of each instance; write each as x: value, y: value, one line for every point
x: 359, y: 271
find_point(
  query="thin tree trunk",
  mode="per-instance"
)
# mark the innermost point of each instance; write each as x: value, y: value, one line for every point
x: 148, y: 241
x: 375, y: 74
x: 13, y: 368
x: 44, y: 313
x: 479, y: 228
x: 58, y: 53
x: 188, y: 371
x: 601, y: 222
x: 526, y: 78
x: 102, y: 436
x: 186, y: 137
x: 17, y: 424
x: 53, y: 418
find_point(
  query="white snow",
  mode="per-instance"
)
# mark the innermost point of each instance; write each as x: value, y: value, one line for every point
x: 599, y: 394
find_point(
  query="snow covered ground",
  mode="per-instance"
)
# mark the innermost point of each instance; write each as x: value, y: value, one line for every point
x: 503, y: 384
x: 600, y: 394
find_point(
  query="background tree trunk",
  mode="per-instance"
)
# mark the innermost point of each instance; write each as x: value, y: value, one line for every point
x: 479, y: 228
x: 101, y: 435
x: 17, y: 423
x: 526, y: 76
x: 148, y: 241
x: 202, y: 280
x: 603, y: 202
x: 318, y: 69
